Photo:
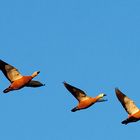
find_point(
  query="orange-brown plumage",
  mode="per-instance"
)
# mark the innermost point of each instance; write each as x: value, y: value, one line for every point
x: 18, y: 84
x: 17, y: 80
x: 136, y: 115
x: 129, y: 106
x: 87, y: 103
x: 84, y: 100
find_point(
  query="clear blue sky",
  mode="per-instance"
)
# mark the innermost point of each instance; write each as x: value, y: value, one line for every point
x: 93, y: 45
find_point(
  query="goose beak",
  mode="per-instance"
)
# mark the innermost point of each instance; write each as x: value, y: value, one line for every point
x: 105, y: 95
x: 38, y: 72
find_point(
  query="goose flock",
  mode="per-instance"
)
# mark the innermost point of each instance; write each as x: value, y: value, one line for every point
x: 19, y: 81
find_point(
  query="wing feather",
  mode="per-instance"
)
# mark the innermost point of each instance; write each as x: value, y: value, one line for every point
x: 126, y: 102
x: 76, y: 92
x: 9, y: 71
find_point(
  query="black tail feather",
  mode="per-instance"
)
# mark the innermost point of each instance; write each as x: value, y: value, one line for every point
x: 74, y: 109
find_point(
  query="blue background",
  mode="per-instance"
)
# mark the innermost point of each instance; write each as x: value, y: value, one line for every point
x: 93, y: 45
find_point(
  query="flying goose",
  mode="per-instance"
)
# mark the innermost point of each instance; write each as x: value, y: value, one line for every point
x: 17, y: 80
x: 84, y: 100
x: 129, y: 106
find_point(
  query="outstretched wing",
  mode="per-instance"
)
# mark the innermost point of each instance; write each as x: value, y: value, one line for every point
x: 127, y: 103
x: 77, y: 93
x: 9, y: 71
x: 34, y: 84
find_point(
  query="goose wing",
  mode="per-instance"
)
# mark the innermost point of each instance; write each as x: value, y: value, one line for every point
x: 9, y: 71
x: 77, y: 93
x: 34, y: 84
x: 127, y: 103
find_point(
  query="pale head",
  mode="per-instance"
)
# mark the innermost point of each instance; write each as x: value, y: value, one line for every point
x: 101, y: 95
x: 35, y: 73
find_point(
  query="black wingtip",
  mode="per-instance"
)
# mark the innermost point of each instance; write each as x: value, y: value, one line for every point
x: 65, y: 83
x: 116, y: 88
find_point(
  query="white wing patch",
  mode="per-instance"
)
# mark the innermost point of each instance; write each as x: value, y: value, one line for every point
x: 12, y: 73
x: 130, y: 106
